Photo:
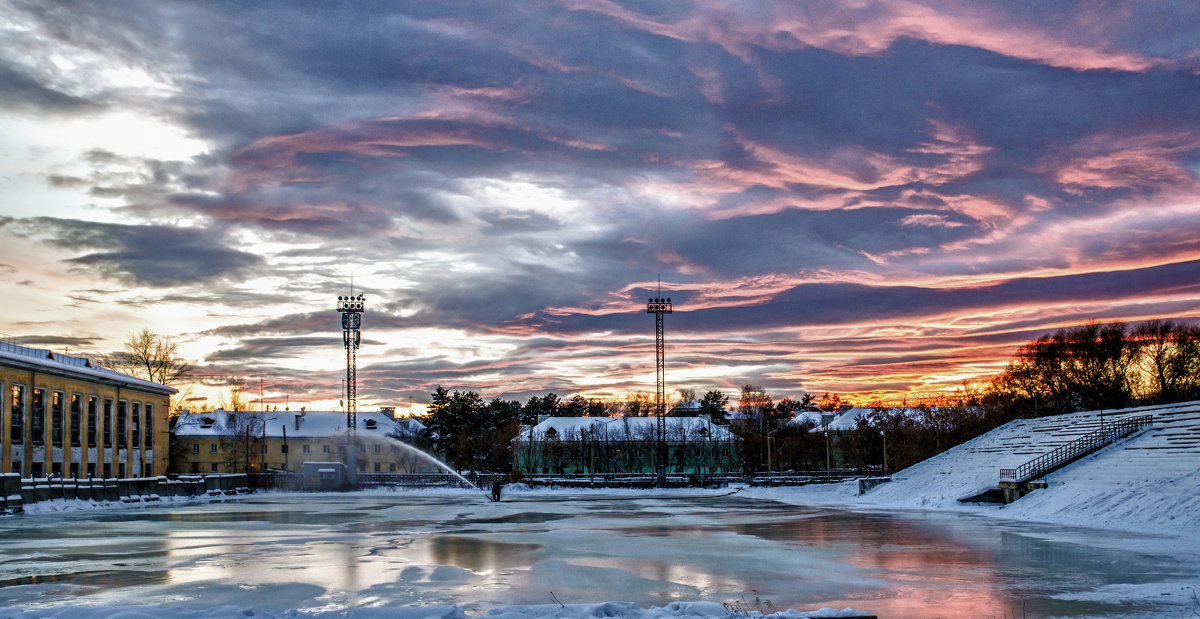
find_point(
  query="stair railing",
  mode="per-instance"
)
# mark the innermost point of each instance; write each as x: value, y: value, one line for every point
x: 1084, y: 445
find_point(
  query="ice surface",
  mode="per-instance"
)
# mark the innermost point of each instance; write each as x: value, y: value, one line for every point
x: 452, y: 552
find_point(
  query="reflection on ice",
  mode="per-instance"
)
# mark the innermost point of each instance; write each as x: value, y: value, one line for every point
x: 328, y: 552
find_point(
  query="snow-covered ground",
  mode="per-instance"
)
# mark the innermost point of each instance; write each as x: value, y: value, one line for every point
x: 451, y: 553
x: 1149, y: 482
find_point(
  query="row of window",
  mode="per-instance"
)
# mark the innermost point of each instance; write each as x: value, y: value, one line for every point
x: 305, y: 448
x: 136, y: 417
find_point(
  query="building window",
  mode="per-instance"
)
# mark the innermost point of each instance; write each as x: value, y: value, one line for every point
x: 76, y: 419
x: 195, y: 448
x: 16, y: 467
x: 212, y: 467
x: 376, y: 467
x: 122, y: 418
x: 36, y: 470
x: 392, y: 467
x: 56, y: 469
x: 74, y: 470
x: 56, y: 419
x: 135, y: 426
x: 121, y: 470
x: 108, y: 405
x: 16, y: 419
x: 107, y: 470
x: 304, y: 448
x: 37, y: 420
x: 91, y: 470
x: 195, y: 467
x: 324, y: 448
x: 212, y: 448
x: 91, y: 422
x: 149, y: 426
x: 148, y: 470
x: 362, y: 449
x: 377, y: 449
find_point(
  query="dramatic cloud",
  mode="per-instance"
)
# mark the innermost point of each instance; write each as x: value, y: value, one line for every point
x: 143, y: 254
x: 883, y: 198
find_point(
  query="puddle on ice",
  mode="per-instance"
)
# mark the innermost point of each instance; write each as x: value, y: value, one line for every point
x: 328, y: 552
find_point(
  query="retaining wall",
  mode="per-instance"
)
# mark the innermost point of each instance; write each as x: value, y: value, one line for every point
x: 16, y: 493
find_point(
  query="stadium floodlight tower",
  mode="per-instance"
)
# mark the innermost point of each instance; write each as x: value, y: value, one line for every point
x: 351, y: 309
x: 659, y: 306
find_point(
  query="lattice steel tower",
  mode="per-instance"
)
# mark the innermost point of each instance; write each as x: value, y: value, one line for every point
x: 351, y: 309
x: 659, y: 306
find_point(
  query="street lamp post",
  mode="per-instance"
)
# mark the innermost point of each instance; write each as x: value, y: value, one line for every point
x: 246, y: 450
x: 826, y: 433
x: 883, y: 433
x: 286, y: 466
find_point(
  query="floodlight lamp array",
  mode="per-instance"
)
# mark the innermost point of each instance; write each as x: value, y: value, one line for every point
x: 350, y: 304
x: 658, y: 305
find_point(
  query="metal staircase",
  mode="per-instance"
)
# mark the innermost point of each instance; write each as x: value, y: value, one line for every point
x: 1017, y: 482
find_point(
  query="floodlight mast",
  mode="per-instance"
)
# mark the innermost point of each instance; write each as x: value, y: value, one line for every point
x: 351, y: 309
x: 659, y: 306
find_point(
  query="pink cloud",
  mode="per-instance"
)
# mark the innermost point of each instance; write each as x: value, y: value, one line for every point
x: 857, y: 27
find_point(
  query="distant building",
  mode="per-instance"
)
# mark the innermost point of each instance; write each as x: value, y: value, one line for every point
x: 64, y: 416
x: 223, y: 441
x: 583, y: 445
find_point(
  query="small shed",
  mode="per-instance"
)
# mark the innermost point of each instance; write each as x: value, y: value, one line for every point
x: 324, y: 475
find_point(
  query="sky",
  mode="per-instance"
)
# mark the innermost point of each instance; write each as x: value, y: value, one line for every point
x: 877, y: 199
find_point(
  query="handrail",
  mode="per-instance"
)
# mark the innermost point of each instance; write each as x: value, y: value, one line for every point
x: 1084, y: 445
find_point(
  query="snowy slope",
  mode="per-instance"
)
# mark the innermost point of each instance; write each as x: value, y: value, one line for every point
x: 1148, y: 482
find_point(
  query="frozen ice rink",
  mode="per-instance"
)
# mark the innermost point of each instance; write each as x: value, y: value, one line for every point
x: 331, y: 552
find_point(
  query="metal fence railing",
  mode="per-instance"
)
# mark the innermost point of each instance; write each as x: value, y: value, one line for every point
x: 1084, y: 445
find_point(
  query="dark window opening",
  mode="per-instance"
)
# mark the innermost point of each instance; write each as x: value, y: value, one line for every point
x: 37, y: 418
x: 91, y: 422
x: 16, y: 419
x: 76, y: 419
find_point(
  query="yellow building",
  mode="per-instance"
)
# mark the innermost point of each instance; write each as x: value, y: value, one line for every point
x: 223, y: 441
x: 64, y: 416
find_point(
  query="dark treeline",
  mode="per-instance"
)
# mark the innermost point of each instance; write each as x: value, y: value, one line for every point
x: 1093, y: 366
x: 1088, y: 367
x: 471, y: 434
x: 1100, y: 366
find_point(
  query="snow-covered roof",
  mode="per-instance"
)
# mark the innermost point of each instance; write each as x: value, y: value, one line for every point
x: 312, y: 424
x: 77, y: 367
x: 624, y: 428
x: 806, y: 417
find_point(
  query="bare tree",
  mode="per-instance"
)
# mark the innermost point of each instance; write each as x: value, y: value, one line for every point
x: 240, y: 438
x: 151, y: 356
x: 236, y: 400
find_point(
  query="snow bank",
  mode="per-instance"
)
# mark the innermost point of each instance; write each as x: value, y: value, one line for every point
x: 628, y: 610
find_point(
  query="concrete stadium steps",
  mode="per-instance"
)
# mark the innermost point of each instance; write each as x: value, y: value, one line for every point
x: 1151, y: 478
x: 1176, y: 430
